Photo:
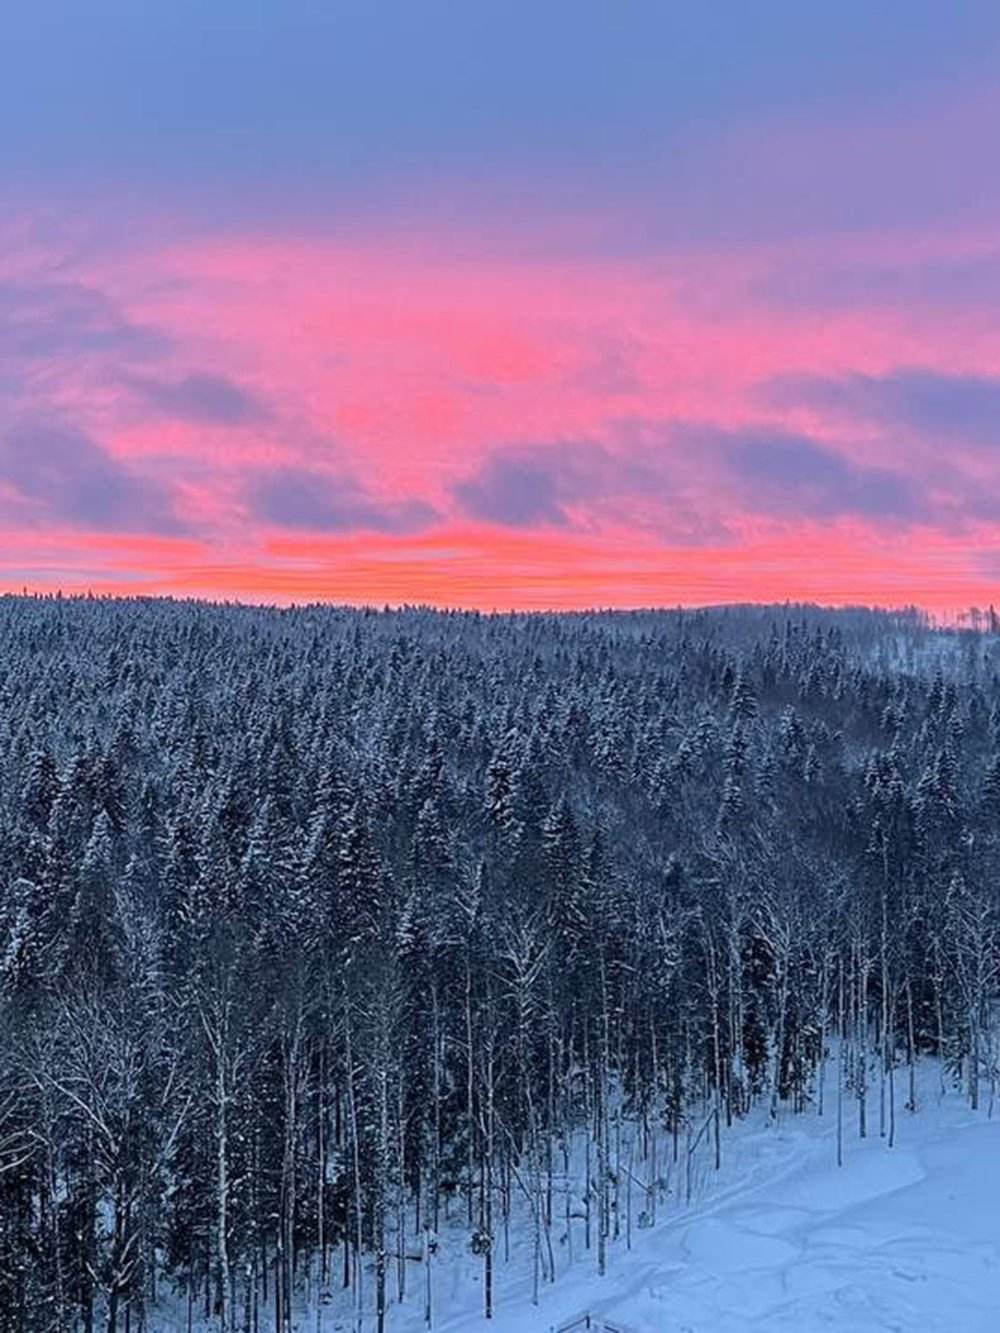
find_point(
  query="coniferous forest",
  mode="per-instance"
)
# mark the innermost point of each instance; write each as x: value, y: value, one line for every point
x: 324, y: 932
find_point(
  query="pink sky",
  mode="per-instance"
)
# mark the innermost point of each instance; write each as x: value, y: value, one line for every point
x: 769, y: 371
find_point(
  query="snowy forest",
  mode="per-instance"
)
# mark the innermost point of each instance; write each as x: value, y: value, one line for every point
x: 328, y: 936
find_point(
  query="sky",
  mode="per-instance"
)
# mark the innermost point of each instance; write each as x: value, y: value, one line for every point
x: 491, y: 304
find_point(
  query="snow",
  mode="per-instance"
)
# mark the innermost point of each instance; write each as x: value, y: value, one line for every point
x: 901, y: 1238
x: 780, y: 1239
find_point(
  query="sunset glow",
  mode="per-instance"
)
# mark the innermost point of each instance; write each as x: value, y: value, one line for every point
x: 756, y: 358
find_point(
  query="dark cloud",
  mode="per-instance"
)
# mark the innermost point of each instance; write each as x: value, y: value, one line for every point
x: 789, y: 475
x: 553, y: 483
x: 292, y: 497
x: 515, y: 492
x: 584, y: 485
x: 673, y: 476
x: 204, y: 399
x: 39, y: 321
x: 923, y: 402
x: 63, y: 476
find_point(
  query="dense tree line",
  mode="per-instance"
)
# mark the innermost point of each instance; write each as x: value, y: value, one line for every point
x: 322, y: 930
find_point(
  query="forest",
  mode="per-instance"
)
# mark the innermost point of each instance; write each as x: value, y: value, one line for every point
x: 328, y: 933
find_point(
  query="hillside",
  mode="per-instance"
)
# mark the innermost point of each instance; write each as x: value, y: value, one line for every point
x: 332, y: 940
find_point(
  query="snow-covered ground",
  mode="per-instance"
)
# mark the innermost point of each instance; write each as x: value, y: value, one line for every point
x: 902, y: 1238
x: 906, y: 1238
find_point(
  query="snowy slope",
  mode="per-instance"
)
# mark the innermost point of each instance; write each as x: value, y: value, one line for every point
x: 906, y: 1238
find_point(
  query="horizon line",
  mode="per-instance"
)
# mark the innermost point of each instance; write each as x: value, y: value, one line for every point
x: 965, y: 617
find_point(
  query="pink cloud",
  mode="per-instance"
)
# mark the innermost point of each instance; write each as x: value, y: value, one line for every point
x: 395, y: 396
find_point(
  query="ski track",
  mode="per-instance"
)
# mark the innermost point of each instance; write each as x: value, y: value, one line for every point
x: 903, y: 1238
